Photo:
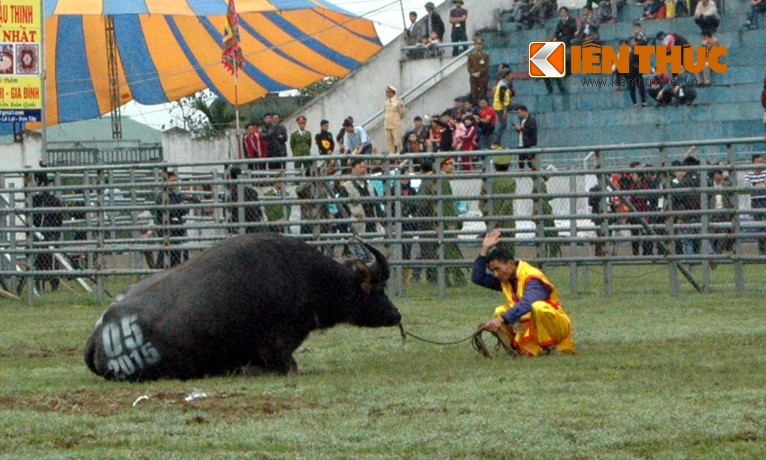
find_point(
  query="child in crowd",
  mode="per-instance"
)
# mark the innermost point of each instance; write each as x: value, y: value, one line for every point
x: 466, y: 141
x: 432, y: 43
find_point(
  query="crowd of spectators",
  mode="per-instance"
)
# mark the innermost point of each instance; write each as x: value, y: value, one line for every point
x: 673, y: 199
x: 478, y: 121
x: 424, y: 37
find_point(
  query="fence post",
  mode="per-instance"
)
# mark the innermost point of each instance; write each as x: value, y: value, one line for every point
x: 164, y: 201
x: 136, y: 234
x: 605, y: 185
x: 538, y: 211
x: 397, y: 233
x: 10, y: 221
x: 29, y: 238
x: 739, y: 274
x: 441, y: 275
x: 573, y: 233
x: 669, y: 220
x: 705, y: 230
x: 100, y: 240
x: 241, y: 222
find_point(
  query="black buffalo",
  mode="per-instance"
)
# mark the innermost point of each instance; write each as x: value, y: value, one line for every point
x: 246, y: 303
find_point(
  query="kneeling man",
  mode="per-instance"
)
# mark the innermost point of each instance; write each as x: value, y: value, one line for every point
x: 533, y: 314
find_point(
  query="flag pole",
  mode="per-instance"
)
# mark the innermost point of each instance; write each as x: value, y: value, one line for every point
x: 404, y: 21
x: 236, y: 105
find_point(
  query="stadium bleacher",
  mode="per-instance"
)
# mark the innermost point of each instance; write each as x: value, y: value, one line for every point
x: 729, y: 108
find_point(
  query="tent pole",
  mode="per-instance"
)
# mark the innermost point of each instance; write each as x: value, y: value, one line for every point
x: 404, y: 21
x: 236, y: 105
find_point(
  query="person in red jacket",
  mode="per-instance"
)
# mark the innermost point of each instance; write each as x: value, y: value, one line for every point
x: 251, y: 143
x: 467, y: 142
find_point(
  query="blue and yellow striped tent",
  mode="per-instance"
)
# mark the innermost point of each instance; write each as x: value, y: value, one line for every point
x: 167, y: 49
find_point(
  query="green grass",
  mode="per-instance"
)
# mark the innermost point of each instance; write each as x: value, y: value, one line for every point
x: 654, y: 376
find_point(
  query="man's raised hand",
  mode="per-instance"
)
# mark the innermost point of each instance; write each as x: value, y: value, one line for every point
x: 490, y: 240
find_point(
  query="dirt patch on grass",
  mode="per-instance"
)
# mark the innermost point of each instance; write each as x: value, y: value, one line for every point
x: 207, y: 407
x: 33, y: 350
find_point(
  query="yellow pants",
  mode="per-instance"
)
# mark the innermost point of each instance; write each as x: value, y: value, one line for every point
x: 393, y: 139
x: 543, y: 327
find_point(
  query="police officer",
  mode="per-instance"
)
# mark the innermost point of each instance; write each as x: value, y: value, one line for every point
x: 478, y: 69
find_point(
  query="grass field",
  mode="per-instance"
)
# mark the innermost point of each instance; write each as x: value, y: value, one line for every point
x: 655, y: 376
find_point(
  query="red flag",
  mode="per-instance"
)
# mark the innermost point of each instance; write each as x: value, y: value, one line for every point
x: 232, y: 58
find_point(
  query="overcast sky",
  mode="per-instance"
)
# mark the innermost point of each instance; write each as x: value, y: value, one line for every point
x: 386, y: 14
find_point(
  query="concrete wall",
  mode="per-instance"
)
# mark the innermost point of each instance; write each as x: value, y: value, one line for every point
x: 22, y: 155
x: 179, y: 147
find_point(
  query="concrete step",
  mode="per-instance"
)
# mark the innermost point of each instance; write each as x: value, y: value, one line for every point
x: 730, y: 23
x: 681, y: 116
x: 752, y: 76
x: 657, y: 132
x: 608, y: 98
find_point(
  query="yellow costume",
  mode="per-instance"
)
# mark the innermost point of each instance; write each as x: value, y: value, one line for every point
x: 546, y: 325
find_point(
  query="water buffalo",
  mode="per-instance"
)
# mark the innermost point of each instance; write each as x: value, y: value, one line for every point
x: 247, y: 302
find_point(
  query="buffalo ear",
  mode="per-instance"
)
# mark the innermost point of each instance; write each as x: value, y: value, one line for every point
x: 364, y: 275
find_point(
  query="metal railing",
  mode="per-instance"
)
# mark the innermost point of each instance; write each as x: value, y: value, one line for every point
x: 108, y: 234
x: 416, y: 91
x: 104, y: 155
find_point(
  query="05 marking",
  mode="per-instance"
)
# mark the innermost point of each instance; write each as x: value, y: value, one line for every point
x: 124, y: 346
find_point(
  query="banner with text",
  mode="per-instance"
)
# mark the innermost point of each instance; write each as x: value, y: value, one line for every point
x: 20, y: 60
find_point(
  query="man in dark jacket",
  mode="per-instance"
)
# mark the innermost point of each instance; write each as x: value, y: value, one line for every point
x: 566, y: 27
x: 277, y: 142
x: 174, y: 217
x: 250, y: 211
x: 687, y: 201
x: 527, y: 129
x: 47, y: 220
x: 433, y: 21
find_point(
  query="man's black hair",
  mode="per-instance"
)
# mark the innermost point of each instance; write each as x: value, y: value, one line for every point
x: 418, y: 118
x: 502, y: 167
x: 718, y: 171
x: 426, y: 166
x: 356, y: 161
x: 522, y: 107
x: 675, y: 163
x: 347, y: 123
x: 564, y: 8
x: 501, y: 253
x: 235, y: 172
x: 756, y: 156
x: 691, y: 161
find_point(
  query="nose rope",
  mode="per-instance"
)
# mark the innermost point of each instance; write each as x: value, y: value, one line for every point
x: 477, y: 341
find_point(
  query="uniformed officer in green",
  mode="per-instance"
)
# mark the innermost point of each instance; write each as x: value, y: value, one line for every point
x: 499, y: 207
x: 455, y: 275
x: 300, y: 144
x: 276, y: 214
x: 540, y: 187
x: 478, y: 69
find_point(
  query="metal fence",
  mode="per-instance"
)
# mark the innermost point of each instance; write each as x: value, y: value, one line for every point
x: 103, y: 155
x: 120, y: 220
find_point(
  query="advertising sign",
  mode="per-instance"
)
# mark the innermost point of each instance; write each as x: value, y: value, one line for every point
x: 20, y: 60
